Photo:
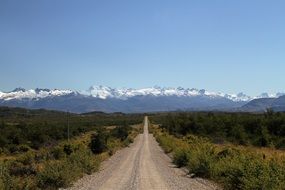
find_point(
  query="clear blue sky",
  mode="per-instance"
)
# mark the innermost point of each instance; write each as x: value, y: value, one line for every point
x: 219, y: 45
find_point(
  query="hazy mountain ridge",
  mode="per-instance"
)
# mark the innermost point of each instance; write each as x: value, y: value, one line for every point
x: 104, y: 92
x: 106, y: 99
x: 261, y: 104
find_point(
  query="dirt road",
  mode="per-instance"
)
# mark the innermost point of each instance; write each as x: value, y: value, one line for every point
x: 142, y: 166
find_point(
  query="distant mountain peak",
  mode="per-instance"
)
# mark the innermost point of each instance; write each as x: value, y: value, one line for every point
x: 38, y: 90
x: 19, y: 89
x: 202, y: 91
x: 241, y: 94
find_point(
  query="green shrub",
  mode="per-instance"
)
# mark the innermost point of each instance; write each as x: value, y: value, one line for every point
x: 23, y: 148
x: 62, y: 172
x: 166, y: 143
x: 201, y: 159
x: 83, y: 160
x: 27, y: 158
x: 281, y: 144
x: 228, y: 152
x: 121, y: 132
x: 260, y: 174
x: 234, y: 168
x: 56, y: 174
x: 6, y: 180
x: 58, y: 153
x: 180, y: 157
x: 245, y: 170
x: 98, y: 143
x: 43, y: 155
x: 67, y: 149
x: 19, y: 169
x: 128, y: 141
x: 23, y: 166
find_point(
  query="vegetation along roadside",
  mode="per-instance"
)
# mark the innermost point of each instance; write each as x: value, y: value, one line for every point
x: 38, y: 153
x: 253, y: 163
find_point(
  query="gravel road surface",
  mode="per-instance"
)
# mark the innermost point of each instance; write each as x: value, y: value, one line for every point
x: 142, y: 166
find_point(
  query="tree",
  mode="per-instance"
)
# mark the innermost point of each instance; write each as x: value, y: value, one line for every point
x: 98, y: 143
x: 121, y: 132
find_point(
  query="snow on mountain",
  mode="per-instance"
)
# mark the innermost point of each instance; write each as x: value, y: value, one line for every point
x: 266, y: 95
x: 104, y: 92
x: 124, y: 93
x: 238, y: 97
x: 100, y: 92
x: 20, y: 93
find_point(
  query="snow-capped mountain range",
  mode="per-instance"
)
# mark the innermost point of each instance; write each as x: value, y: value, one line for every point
x: 125, y: 93
x: 107, y: 99
x: 21, y: 93
x: 104, y: 92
